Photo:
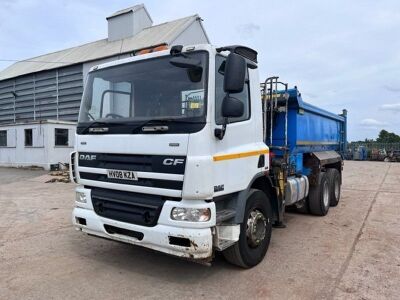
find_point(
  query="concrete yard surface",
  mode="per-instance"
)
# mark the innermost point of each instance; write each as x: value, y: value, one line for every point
x: 352, y: 253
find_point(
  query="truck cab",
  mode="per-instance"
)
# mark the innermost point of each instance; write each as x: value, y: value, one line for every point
x: 171, y: 154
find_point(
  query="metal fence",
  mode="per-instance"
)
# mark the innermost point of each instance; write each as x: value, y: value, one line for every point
x: 375, y: 146
x: 370, y: 150
x: 54, y: 94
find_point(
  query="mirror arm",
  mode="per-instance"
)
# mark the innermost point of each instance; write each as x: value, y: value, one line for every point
x: 220, y: 132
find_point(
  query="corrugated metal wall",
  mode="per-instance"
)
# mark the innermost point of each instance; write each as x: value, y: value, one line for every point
x: 54, y: 94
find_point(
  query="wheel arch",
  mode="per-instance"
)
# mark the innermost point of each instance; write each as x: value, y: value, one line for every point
x: 260, y: 182
x: 321, y: 161
x: 237, y: 201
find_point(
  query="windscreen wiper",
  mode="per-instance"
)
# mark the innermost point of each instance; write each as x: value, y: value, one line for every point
x: 162, y: 127
x: 149, y: 122
x: 98, y: 130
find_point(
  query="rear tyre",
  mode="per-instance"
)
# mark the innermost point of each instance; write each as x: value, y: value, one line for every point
x: 255, y: 232
x: 335, y: 186
x: 386, y: 159
x: 319, y: 196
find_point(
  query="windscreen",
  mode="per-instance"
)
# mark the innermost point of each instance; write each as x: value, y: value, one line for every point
x: 151, y: 89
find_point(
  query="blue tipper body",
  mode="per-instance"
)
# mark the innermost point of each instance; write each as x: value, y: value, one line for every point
x: 309, y: 129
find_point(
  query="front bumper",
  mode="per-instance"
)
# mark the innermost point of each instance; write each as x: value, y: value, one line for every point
x: 199, y: 235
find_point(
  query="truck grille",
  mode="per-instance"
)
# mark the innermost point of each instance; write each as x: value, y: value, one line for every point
x: 93, y: 167
x: 132, y: 162
x: 134, y: 208
x: 148, y: 182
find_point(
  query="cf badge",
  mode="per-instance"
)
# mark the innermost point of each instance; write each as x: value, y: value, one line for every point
x: 173, y: 161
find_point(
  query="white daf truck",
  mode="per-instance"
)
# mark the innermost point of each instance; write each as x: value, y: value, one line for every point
x: 171, y: 154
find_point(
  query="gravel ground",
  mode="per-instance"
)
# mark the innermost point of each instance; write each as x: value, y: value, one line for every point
x: 353, y: 253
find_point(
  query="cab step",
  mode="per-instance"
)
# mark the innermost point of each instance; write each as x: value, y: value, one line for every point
x: 224, y: 215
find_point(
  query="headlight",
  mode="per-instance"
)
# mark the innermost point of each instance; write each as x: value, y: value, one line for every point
x: 80, y: 197
x: 191, y: 214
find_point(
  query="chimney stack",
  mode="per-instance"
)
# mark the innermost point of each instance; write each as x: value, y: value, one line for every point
x: 128, y: 22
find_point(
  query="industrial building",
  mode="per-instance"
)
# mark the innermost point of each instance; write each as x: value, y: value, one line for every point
x: 40, y: 96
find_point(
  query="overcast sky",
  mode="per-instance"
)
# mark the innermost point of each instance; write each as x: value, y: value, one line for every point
x: 341, y: 54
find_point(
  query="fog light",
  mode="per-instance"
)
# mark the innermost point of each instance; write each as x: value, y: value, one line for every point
x: 191, y: 214
x: 80, y: 197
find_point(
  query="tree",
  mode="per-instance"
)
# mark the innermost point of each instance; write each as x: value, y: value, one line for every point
x: 387, y: 137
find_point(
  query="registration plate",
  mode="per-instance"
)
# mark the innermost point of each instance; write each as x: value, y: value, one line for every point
x: 121, y: 174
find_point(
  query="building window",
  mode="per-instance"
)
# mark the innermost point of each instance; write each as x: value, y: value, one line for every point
x: 3, y: 138
x: 28, y: 138
x: 61, y: 137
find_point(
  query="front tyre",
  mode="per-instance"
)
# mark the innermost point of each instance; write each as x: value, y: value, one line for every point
x: 255, y: 232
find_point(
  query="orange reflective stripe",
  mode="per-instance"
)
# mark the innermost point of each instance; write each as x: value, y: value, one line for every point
x: 239, y: 155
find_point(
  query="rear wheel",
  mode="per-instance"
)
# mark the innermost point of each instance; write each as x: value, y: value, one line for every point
x: 335, y: 185
x: 319, y: 196
x: 255, y: 232
x: 386, y: 159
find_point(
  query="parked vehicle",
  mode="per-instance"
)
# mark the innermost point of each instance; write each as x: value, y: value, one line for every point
x: 378, y: 154
x: 361, y: 153
x: 393, y: 156
x: 178, y: 151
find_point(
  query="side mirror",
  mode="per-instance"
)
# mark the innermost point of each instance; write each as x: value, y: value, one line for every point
x: 235, y: 73
x: 232, y: 107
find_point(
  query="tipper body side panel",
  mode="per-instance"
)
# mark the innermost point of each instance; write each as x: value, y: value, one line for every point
x: 309, y: 129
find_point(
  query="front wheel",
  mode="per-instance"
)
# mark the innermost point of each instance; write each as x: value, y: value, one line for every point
x: 255, y: 232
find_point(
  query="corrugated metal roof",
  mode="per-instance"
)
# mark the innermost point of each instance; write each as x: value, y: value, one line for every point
x: 164, y: 33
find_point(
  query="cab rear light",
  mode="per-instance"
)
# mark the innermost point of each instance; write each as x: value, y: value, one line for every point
x: 151, y: 50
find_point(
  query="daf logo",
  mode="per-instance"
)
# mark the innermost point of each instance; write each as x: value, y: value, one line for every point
x: 173, y: 161
x: 87, y: 157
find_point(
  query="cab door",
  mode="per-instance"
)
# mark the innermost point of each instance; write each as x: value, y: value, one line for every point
x: 236, y: 156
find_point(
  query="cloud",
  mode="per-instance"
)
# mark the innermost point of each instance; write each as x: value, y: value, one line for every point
x: 332, y: 50
x: 372, y: 123
x: 391, y: 88
x: 391, y: 107
x: 248, y: 30
x: 309, y: 95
